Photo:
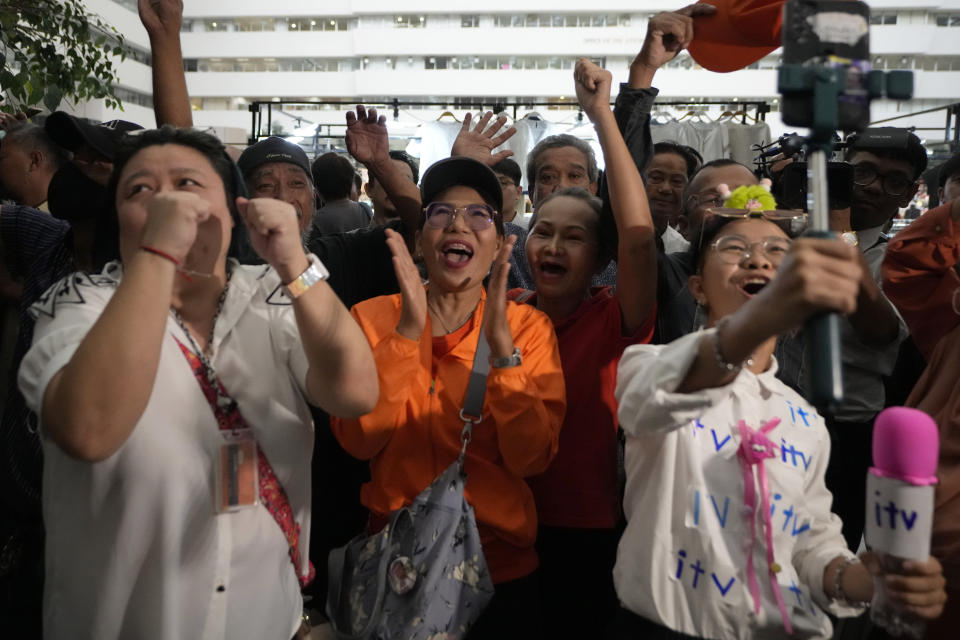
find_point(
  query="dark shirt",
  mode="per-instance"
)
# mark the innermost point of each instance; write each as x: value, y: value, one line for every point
x: 39, y: 251
x: 361, y: 267
x: 340, y: 217
x: 360, y: 262
x: 676, y: 308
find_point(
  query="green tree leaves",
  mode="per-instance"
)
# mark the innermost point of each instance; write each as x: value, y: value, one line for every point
x: 54, y: 49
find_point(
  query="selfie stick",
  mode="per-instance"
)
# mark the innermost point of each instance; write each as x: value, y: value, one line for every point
x: 827, y: 85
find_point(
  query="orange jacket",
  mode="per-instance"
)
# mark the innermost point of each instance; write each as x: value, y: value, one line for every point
x: 413, y: 434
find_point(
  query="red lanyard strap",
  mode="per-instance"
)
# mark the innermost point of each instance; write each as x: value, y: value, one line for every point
x: 272, y: 494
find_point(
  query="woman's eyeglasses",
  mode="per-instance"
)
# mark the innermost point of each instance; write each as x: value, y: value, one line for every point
x: 735, y: 249
x: 440, y: 215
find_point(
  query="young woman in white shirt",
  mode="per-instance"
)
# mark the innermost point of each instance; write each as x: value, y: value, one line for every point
x: 729, y: 532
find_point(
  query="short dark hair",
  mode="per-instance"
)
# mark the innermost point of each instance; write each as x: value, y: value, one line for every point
x: 558, y: 141
x: 510, y: 169
x: 107, y: 243
x: 402, y: 156
x: 713, y: 164
x: 681, y: 150
x: 357, y: 181
x: 915, y: 154
x: 606, y: 233
x: 332, y: 176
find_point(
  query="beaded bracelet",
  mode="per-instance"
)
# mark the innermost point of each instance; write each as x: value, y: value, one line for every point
x: 722, y: 362
x: 838, y: 580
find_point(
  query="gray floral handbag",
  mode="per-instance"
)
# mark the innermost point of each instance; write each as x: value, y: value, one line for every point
x: 424, y: 575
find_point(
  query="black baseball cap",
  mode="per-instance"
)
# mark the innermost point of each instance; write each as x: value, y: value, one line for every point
x: 272, y: 149
x: 71, y: 133
x: 461, y: 171
x: 948, y: 168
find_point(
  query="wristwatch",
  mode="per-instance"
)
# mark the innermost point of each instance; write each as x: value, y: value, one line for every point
x: 513, y: 360
x: 313, y: 274
x: 850, y: 237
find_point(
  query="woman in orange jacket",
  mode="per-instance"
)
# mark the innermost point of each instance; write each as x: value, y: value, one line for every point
x: 423, y: 342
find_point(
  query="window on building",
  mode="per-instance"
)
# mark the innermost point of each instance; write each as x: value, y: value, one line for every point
x: 945, y: 20
x: 409, y: 22
x: 469, y: 22
x: 255, y: 24
x: 883, y: 18
x: 436, y: 62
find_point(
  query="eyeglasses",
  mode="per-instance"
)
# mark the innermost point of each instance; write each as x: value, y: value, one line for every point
x: 735, y: 249
x: 796, y: 220
x: 440, y: 215
x: 894, y: 184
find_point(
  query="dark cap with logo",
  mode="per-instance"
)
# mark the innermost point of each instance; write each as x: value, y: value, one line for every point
x: 71, y: 133
x: 461, y: 171
x: 272, y: 149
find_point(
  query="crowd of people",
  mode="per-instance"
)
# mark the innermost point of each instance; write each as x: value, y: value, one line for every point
x: 226, y: 367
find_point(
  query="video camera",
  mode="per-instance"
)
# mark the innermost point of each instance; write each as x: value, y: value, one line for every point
x: 790, y: 178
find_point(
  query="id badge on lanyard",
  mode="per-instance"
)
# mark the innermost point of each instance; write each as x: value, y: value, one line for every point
x: 236, y: 471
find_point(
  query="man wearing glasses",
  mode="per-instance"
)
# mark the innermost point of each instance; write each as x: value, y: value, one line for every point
x: 886, y: 165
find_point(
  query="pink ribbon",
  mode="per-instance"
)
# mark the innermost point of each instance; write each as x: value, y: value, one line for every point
x: 755, y: 447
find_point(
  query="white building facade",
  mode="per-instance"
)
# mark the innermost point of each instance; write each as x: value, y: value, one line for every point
x: 290, y: 51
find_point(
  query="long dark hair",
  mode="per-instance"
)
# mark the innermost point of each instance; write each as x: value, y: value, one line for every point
x: 107, y: 244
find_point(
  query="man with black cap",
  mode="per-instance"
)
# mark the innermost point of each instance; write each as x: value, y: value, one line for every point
x: 276, y: 168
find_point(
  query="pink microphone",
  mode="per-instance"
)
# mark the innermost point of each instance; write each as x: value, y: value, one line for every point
x: 900, y: 488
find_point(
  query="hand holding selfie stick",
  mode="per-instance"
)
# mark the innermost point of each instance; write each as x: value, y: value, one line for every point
x: 827, y: 85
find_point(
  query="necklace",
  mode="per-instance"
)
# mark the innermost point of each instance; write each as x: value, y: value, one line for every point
x: 436, y: 314
x: 202, y: 353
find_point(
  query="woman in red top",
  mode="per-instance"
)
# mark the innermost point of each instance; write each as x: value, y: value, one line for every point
x: 578, y: 496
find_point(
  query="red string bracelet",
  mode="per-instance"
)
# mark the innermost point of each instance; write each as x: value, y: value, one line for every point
x: 162, y: 254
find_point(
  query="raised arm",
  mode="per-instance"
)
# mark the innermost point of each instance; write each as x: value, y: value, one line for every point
x: 368, y: 143
x: 636, y: 247
x: 668, y: 33
x: 480, y: 141
x: 162, y: 20
x: 341, y: 375
x: 91, y: 406
x: 817, y: 275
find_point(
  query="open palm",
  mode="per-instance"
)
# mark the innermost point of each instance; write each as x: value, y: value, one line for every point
x: 367, y: 138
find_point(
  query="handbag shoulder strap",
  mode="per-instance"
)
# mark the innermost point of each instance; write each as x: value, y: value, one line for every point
x: 472, y: 411
x: 477, y: 387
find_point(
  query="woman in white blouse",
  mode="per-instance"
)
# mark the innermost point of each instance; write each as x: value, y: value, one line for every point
x: 729, y: 532
x: 154, y: 379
